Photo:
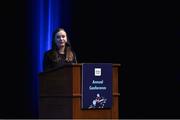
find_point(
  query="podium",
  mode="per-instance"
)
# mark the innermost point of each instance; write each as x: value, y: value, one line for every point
x: 60, y: 94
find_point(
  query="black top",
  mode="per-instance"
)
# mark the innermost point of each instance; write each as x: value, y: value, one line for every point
x: 52, y: 59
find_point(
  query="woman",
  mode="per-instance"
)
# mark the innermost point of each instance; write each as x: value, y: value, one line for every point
x: 61, y: 52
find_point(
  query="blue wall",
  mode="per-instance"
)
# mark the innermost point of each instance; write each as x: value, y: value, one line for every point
x: 43, y: 17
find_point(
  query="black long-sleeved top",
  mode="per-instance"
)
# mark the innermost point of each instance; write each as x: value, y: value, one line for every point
x: 52, y: 59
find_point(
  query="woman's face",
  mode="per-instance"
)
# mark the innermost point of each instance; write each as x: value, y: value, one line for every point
x: 61, y: 38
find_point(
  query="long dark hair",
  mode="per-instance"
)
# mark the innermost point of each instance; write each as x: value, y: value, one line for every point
x: 68, y: 50
x: 54, y: 46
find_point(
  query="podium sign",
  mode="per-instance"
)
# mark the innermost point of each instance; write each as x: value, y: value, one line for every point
x: 96, y: 86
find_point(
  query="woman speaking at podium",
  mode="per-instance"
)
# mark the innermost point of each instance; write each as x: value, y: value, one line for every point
x: 61, y: 52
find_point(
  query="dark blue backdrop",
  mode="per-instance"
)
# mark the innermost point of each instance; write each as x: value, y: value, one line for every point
x: 44, y: 16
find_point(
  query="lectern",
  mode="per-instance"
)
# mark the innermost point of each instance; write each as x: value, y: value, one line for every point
x: 60, y: 94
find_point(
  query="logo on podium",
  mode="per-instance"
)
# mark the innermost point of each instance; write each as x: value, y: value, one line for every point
x: 97, y: 71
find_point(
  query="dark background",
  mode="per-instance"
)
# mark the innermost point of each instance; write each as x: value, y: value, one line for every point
x: 142, y: 36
